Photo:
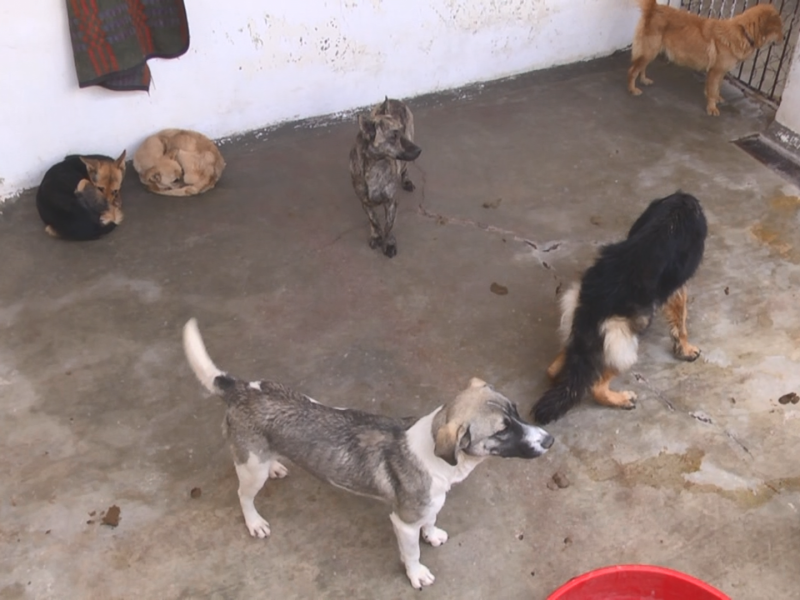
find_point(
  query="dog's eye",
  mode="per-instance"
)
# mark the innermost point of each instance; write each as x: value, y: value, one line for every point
x: 102, y: 190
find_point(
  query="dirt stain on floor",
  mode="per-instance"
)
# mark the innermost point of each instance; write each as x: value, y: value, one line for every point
x: 777, y: 229
x: 668, y: 470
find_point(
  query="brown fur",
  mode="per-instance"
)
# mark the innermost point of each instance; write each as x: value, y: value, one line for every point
x: 711, y: 45
x: 178, y: 162
x: 675, y: 310
x: 106, y: 179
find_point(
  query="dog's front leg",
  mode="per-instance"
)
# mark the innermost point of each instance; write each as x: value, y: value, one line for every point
x: 375, y: 238
x: 408, y: 541
x: 389, y: 243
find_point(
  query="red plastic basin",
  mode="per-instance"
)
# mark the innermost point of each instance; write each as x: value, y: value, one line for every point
x: 636, y: 582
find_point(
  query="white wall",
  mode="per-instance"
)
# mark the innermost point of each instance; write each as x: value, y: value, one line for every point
x: 253, y: 63
x: 789, y: 111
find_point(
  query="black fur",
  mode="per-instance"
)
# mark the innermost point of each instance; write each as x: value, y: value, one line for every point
x: 629, y: 279
x: 74, y: 215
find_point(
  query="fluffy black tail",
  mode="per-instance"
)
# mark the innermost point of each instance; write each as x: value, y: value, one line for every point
x: 577, y: 376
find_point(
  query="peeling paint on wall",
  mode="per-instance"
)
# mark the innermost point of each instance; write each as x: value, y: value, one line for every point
x: 260, y: 62
x: 281, y: 41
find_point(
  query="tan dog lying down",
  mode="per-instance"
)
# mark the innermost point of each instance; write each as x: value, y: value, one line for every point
x: 178, y: 162
x: 711, y: 45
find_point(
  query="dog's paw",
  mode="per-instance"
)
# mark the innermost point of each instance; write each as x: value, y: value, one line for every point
x: 628, y: 400
x: 408, y: 185
x: 645, y: 81
x: 375, y: 242
x: 277, y: 470
x: 258, y: 527
x: 635, y: 91
x: 434, y: 536
x: 390, y: 250
x: 52, y: 232
x: 419, y: 575
x: 686, y: 352
x: 712, y: 110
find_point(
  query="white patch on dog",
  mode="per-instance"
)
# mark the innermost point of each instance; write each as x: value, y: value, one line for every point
x: 205, y: 370
x: 310, y: 399
x: 534, y: 436
x: 421, y: 443
x: 255, y: 385
x: 568, y: 302
x: 620, y: 344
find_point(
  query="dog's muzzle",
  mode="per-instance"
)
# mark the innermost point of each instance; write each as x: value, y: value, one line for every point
x: 538, y: 440
x: 410, y: 150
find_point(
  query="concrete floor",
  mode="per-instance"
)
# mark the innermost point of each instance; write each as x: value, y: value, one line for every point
x: 518, y: 183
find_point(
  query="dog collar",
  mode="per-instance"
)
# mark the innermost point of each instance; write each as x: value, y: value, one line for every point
x: 747, y: 37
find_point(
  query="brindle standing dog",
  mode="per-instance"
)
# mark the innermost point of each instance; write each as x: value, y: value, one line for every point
x: 377, y: 166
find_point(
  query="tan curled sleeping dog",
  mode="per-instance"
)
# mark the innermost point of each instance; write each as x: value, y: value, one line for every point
x: 178, y: 162
x: 711, y: 45
x: 408, y: 463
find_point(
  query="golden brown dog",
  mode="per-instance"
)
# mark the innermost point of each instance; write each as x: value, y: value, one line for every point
x: 711, y: 45
x: 178, y: 162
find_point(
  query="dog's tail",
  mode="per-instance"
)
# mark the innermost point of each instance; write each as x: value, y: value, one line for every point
x: 578, y: 374
x: 648, y: 8
x: 206, y: 371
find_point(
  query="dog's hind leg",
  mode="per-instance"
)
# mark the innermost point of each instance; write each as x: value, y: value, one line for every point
x: 408, y: 542
x: 713, y: 81
x: 555, y: 367
x: 608, y: 397
x: 253, y: 474
x: 642, y: 54
x: 676, y: 311
x: 389, y: 243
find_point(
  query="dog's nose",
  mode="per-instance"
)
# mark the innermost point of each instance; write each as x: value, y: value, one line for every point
x: 548, y: 441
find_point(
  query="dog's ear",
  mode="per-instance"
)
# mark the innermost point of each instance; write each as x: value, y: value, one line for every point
x: 367, y: 126
x: 152, y: 174
x: 451, y: 438
x: 120, y: 162
x: 172, y: 153
x: 385, y: 107
x: 91, y: 166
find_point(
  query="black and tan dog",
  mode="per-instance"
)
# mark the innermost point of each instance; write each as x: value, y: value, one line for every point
x: 79, y: 198
x: 384, y: 143
x: 603, y: 316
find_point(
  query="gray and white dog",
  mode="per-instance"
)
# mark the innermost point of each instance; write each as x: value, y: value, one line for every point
x: 384, y: 143
x: 408, y: 463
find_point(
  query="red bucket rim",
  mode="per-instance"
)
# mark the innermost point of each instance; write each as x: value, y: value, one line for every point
x: 579, y: 580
